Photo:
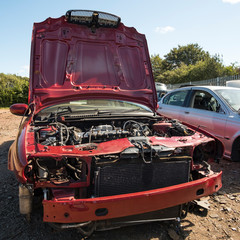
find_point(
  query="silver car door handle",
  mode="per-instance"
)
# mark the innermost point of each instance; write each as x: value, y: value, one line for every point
x: 186, y: 112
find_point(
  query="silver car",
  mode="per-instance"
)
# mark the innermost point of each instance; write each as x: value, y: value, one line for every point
x: 213, y: 109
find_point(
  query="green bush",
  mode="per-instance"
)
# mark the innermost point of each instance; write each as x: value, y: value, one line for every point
x: 13, y: 89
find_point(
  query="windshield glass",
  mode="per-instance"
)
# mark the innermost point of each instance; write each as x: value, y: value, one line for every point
x: 116, y: 106
x: 231, y: 96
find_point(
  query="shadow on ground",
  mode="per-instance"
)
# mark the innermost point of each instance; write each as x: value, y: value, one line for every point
x: 230, y: 176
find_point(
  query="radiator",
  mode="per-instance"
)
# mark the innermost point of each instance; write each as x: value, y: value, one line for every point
x: 121, y: 178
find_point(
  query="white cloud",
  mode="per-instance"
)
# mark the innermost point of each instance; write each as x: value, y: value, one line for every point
x: 231, y: 1
x: 164, y: 30
x: 24, y: 71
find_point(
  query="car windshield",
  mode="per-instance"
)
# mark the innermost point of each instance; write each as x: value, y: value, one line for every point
x: 116, y: 106
x: 231, y: 96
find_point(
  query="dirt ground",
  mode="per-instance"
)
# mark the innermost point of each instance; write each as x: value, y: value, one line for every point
x: 221, y: 222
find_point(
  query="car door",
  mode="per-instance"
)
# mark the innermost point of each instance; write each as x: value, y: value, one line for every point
x: 206, y: 112
x: 172, y: 104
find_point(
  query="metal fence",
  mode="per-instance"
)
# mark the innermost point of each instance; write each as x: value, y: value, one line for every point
x: 219, y: 81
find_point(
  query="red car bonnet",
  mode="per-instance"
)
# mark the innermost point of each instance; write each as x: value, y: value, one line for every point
x: 70, y: 62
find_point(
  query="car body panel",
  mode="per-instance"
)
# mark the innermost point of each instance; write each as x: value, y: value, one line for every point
x: 112, y: 63
x: 81, y: 210
x: 17, y: 154
x: 209, y: 121
x: 175, y: 111
x: 231, y: 134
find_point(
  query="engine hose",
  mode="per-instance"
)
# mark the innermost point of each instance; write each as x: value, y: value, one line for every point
x: 71, y: 167
x: 91, y: 227
x: 58, y: 226
x: 60, y: 125
x: 76, y: 176
x: 131, y: 121
x: 42, y: 168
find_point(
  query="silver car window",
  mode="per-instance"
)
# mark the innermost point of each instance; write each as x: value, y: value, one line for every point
x: 205, y: 101
x: 176, y: 98
x: 231, y: 96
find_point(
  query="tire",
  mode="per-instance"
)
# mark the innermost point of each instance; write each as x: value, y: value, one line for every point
x: 236, y: 151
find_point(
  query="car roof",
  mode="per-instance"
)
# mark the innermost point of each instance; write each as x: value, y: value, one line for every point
x: 213, y: 88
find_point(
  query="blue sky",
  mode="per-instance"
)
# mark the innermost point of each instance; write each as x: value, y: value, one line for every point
x: 213, y: 24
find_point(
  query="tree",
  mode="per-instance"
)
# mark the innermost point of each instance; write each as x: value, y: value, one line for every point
x: 13, y: 89
x: 188, y: 55
x: 232, y: 69
x: 188, y: 64
x: 202, y: 70
x: 156, y: 62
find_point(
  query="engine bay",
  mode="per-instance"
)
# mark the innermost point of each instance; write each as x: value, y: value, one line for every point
x: 140, y: 151
x: 77, y: 133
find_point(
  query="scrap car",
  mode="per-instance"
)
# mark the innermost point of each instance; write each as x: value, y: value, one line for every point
x: 92, y: 145
x: 212, y: 109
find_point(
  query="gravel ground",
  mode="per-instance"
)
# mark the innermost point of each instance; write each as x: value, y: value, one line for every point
x: 221, y: 222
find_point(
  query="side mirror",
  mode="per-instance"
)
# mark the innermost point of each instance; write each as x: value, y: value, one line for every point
x: 19, y: 109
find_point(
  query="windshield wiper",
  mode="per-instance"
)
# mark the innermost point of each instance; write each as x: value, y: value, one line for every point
x: 134, y: 110
x: 103, y: 112
x: 84, y: 113
x: 61, y: 110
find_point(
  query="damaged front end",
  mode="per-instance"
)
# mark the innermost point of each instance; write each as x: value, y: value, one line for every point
x: 126, y: 171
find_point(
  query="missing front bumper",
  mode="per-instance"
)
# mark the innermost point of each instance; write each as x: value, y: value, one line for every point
x: 71, y: 210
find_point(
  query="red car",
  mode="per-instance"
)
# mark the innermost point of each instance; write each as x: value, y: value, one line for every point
x: 92, y: 143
